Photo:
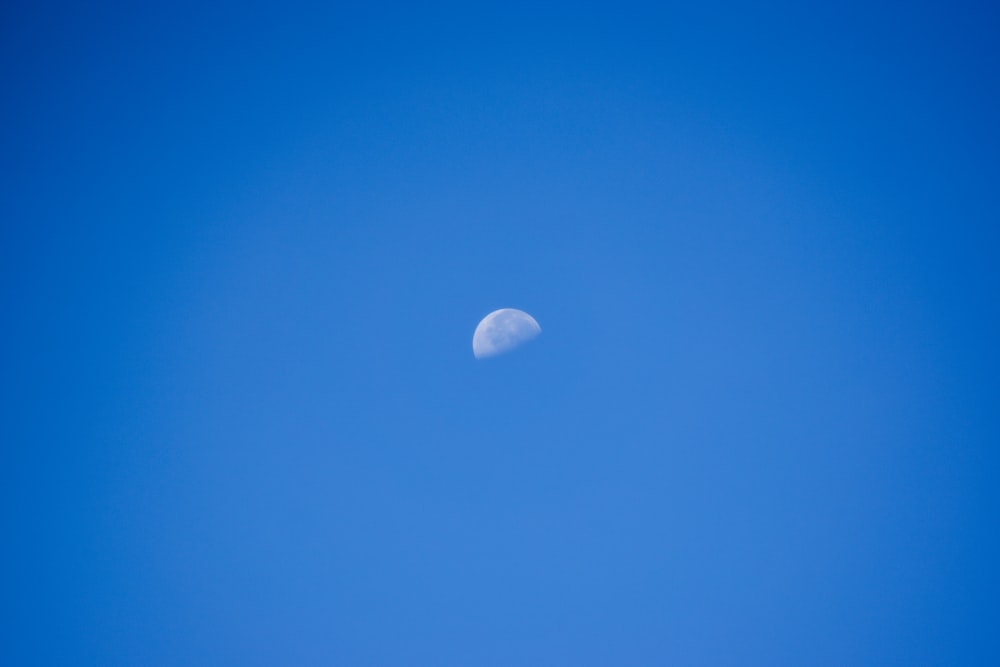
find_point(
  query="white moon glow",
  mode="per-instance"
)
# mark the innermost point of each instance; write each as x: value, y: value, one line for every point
x: 503, y: 330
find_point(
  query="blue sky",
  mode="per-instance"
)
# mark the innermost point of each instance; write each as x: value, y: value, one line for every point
x: 244, y: 250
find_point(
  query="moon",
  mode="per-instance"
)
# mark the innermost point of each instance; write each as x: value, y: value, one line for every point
x: 503, y: 330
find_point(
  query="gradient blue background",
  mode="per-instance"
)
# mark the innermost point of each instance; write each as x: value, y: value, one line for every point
x: 243, y: 250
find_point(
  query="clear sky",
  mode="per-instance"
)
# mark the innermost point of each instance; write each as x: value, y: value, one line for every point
x: 244, y: 249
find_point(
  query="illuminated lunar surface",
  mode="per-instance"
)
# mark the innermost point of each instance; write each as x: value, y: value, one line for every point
x: 503, y: 330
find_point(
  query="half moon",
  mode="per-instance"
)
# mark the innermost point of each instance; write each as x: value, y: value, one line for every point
x: 503, y: 330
